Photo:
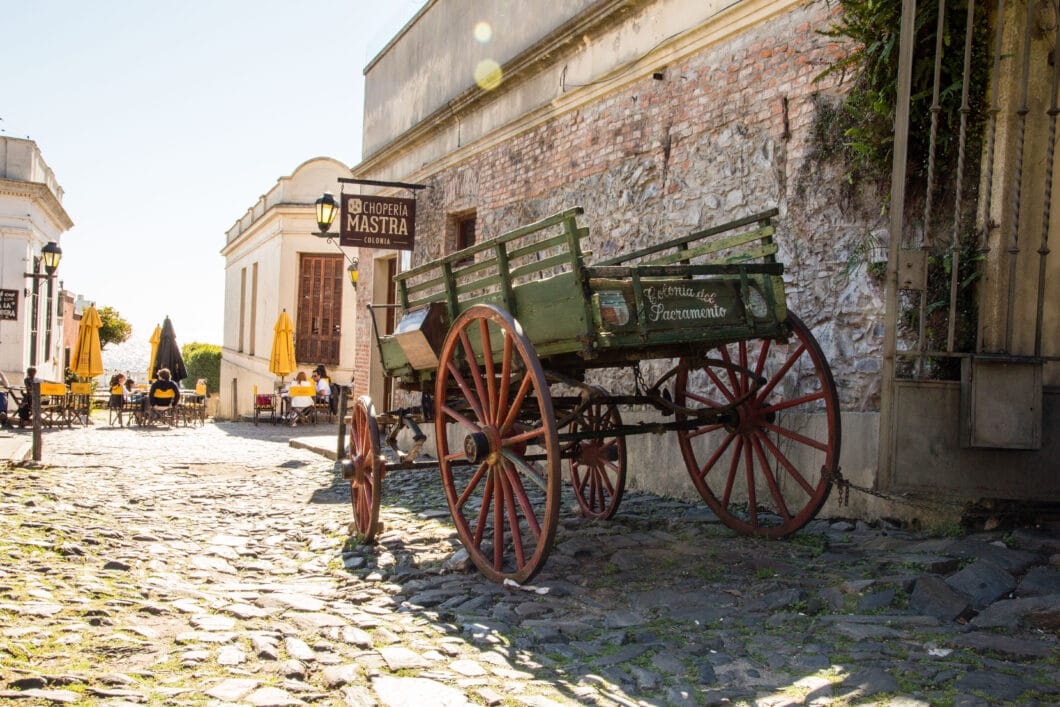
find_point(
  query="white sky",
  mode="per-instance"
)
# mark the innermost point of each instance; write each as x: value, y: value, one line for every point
x: 164, y: 123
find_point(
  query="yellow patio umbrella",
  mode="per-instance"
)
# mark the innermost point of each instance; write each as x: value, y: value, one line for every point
x: 281, y: 361
x: 155, y: 338
x: 87, y: 361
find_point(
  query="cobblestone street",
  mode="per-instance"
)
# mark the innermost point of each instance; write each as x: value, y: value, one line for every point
x: 212, y: 566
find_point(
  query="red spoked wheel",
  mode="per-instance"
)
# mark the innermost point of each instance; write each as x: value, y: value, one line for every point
x: 767, y: 467
x: 503, y: 486
x: 365, y: 469
x: 598, y: 466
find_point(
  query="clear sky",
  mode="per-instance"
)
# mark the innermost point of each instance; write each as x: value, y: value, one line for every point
x: 164, y: 123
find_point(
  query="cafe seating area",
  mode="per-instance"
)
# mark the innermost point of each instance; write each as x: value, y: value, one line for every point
x: 64, y: 405
x: 276, y: 407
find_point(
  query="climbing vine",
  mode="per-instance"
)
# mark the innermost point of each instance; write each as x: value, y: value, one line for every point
x: 861, y: 129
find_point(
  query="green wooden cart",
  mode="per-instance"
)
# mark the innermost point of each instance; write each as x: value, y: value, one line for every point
x: 501, y: 340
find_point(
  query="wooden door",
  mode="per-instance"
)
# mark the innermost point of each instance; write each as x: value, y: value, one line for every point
x: 319, y: 326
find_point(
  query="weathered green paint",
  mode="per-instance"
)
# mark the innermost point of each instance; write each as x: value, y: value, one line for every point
x: 612, y: 312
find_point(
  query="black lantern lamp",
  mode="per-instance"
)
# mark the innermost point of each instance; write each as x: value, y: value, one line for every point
x: 51, y: 254
x: 351, y: 270
x: 326, y: 208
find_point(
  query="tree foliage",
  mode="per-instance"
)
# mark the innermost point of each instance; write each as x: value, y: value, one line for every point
x: 115, y: 330
x: 203, y: 361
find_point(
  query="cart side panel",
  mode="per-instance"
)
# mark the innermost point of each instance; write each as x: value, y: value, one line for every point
x: 674, y: 311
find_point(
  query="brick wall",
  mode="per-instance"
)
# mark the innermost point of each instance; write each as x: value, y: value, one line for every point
x: 723, y: 134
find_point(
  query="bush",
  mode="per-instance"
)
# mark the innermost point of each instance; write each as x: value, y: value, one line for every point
x: 202, y: 361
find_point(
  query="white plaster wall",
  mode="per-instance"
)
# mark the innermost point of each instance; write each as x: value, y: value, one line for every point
x: 272, y: 233
x: 31, y: 215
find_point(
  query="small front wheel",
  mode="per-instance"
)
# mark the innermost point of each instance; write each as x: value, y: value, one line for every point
x: 598, y: 465
x: 365, y: 469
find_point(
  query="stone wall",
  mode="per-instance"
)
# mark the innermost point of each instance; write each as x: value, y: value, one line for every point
x: 723, y: 134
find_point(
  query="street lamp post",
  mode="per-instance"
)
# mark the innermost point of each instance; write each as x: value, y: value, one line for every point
x: 50, y: 255
x: 326, y: 208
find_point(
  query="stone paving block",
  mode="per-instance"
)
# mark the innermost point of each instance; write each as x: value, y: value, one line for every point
x: 932, y: 596
x: 999, y: 686
x: 1039, y: 581
x: 1015, y: 561
x: 986, y: 640
x: 983, y: 582
x: 1012, y: 613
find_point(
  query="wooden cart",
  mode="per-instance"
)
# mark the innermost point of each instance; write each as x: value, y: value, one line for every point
x: 501, y: 338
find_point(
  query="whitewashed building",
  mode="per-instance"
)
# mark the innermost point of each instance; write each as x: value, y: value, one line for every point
x: 274, y: 262
x: 31, y: 217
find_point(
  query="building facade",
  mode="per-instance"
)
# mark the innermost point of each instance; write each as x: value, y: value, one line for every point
x: 31, y: 216
x: 274, y: 263
x: 659, y: 118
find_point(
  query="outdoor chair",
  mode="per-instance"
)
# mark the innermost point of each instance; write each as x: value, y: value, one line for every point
x: 79, y: 403
x: 324, y: 408
x: 264, y: 404
x: 193, y: 408
x: 161, y: 413
x: 116, y: 406
x: 301, y: 414
x: 54, y: 410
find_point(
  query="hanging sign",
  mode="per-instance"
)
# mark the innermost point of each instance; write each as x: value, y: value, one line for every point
x: 378, y: 222
x: 8, y: 304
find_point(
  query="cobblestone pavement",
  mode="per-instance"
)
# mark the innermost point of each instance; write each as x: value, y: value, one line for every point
x: 212, y: 566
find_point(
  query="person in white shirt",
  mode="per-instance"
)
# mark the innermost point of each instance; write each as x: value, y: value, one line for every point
x: 320, y: 379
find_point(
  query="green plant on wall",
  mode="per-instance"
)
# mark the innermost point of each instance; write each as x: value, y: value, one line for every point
x: 861, y: 129
x: 858, y: 129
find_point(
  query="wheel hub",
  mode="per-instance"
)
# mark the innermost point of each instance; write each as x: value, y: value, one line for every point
x: 476, y: 447
x: 594, y: 453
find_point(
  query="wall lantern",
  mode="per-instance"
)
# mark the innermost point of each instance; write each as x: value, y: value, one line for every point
x: 351, y: 270
x: 326, y: 208
x: 51, y: 254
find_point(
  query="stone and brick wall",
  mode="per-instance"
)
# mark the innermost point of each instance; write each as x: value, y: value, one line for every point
x: 725, y: 133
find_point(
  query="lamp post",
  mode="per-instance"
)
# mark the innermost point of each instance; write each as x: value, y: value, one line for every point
x: 50, y: 255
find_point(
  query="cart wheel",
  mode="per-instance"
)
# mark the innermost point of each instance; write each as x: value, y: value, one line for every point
x: 503, y: 483
x: 365, y: 468
x: 598, y: 467
x: 768, y: 468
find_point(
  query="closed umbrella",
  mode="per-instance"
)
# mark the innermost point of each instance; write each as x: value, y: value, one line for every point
x: 282, y: 362
x: 155, y: 337
x: 88, y: 360
x: 168, y: 355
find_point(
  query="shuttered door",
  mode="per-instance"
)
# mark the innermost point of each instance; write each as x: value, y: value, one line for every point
x: 318, y: 329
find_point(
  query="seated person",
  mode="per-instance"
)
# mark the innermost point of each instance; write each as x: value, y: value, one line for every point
x: 323, y: 386
x: 164, y: 383
x: 117, y: 391
x: 25, y: 410
x: 298, y: 402
x: 131, y: 393
x: 3, y: 400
